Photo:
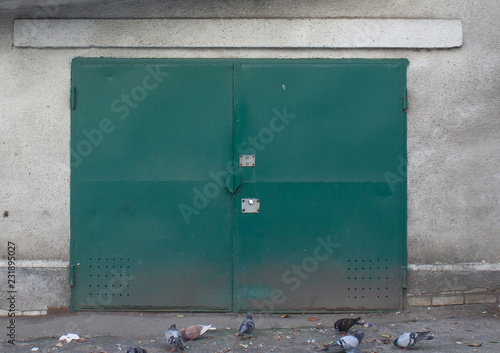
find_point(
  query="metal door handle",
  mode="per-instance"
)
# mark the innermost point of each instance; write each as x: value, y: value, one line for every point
x: 233, y: 181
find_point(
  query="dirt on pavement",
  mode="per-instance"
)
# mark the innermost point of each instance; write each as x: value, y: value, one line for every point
x: 462, y: 328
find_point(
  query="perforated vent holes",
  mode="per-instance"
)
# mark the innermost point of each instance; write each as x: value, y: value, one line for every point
x: 368, y: 279
x: 109, y: 278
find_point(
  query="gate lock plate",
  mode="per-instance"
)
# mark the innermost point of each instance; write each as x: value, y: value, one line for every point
x: 247, y: 160
x: 250, y: 206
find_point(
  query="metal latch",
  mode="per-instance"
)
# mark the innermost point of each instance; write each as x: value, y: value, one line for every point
x: 72, y: 269
x: 250, y: 206
x: 247, y: 160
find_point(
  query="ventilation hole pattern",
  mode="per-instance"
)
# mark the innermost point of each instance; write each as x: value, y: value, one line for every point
x: 109, y: 278
x: 368, y: 279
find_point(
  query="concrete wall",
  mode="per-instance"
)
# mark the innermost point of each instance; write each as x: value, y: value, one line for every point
x: 453, y: 136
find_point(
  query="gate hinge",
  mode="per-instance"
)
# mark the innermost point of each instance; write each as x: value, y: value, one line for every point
x: 404, y: 99
x: 72, y: 269
x: 73, y: 98
x: 404, y: 270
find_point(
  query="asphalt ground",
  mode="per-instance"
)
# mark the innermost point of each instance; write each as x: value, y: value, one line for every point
x: 463, y: 328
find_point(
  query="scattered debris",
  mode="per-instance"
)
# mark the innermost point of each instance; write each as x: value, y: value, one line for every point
x: 69, y: 337
x: 312, y: 319
x: 34, y: 349
x: 285, y: 316
x: 474, y: 344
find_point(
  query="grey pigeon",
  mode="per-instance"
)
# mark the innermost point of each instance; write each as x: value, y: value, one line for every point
x: 174, y: 339
x: 409, y: 339
x: 134, y: 349
x: 247, y: 326
x: 346, y: 342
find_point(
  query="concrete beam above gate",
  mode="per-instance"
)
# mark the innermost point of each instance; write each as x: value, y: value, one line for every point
x: 238, y: 33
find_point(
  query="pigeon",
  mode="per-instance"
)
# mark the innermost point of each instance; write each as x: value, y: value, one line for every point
x: 409, y: 339
x: 345, y: 325
x: 346, y: 342
x: 192, y: 332
x: 247, y: 326
x: 134, y: 349
x: 173, y: 338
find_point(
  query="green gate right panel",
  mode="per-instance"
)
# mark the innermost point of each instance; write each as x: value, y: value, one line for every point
x: 329, y: 142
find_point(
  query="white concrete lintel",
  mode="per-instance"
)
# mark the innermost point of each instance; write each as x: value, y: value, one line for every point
x: 238, y: 33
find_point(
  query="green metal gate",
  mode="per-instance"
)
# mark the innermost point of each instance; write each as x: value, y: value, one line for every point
x: 225, y: 185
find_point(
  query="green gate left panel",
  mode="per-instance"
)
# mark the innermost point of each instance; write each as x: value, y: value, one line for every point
x: 145, y: 137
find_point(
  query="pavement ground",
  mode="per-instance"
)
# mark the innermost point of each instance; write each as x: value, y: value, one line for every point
x: 462, y: 328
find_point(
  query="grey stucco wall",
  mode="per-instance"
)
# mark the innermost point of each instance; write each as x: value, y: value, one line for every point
x: 39, y: 289
x: 453, y: 123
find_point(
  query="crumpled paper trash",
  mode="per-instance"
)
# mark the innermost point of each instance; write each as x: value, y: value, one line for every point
x: 69, y: 337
